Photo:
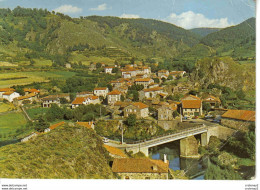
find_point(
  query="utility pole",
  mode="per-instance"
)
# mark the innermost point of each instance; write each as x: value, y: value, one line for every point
x: 122, y: 132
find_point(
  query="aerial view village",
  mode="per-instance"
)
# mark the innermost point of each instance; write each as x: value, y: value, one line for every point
x: 117, y: 97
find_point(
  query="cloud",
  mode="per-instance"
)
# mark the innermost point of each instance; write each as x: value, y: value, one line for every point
x: 68, y: 9
x: 101, y: 7
x: 190, y: 20
x: 129, y: 16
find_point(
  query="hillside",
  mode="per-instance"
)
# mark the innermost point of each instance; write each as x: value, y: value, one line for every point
x: 235, y: 41
x: 64, y: 153
x: 202, y: 32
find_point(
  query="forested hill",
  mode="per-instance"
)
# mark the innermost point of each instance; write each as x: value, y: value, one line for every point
x: 236, y: 40
x: 27, y: 34
x: 204, y: 31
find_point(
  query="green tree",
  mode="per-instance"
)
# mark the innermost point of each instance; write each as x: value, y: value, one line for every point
x: 131, y: 120
x: 206, y: 106
x: 41, y: 124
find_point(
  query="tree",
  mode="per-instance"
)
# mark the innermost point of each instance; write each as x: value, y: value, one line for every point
x: 131, y: 120
x: 41, y: 124
x: 63, y: 101
x: 170, y: 77
x: 54, y: 113
x: 206, y: 106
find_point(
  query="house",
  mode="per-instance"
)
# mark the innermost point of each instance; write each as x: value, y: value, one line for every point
x: 4, y: 90
x: 238, y: 119
x: 191, y: 106
x: 108, y: 70
x: 144, y: 81
x: 146, y: 70
x: 138, y: 108
x: 29, y: 91
x: 21, y: 99
x: 10, y: 95
x: 85, y: 101
x: 176, y: 74
x: 54, y: 126
x: 115, y: 152
x: 113, y: 97
x: 150, y: 92
x: 89, y: 125
x: 84, y: 94
x: 101, y: 91
x: 140, y: 168
x: 163, y: 74
x: 130, y: 70
x: 93, y: 66
x: 165, y: 112
x: 213, y: 101
x: 48, y: 100
x: 126, y: 75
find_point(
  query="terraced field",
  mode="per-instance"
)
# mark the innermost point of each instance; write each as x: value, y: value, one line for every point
x: 22, y: 78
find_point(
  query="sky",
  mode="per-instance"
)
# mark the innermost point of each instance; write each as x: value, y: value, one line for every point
x: 184, y: 13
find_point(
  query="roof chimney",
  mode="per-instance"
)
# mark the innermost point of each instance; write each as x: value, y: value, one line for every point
x: 164, y: 158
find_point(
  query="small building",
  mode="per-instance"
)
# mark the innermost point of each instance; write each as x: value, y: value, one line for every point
x: 10, y: 95
x: 113, y: 97
x: 21, y: 99
x: 144, y: 81
x: 191, y: 106
x: 238, y: 119
x: 176, y: 74
x: 163, y: 73
x: 126, y: 75
x: 138, y: 108
x: 84, y: 101
x: 115, y: 152
x: 108, y: 70
x: 140, y: 168
x: 48, y: 100
x: 89, y: 125
x: 29, y: 91
x: 165, y: 112
x: 4, y: 90
x: 150, y: 92
x: 101, y: 91
x: 54, y: 126
x: 213, y: 101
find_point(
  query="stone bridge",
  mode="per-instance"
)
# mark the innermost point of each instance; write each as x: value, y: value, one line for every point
x: 183, y: 135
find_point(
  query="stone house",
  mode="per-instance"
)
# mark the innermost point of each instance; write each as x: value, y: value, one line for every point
x: 176, y: 74
x: 150, y: 92
x: 140, y: 168
x: 30, y: 98
x: 113, y: 97
x: 101, y: 91
x: 144, y: 81
x: 108, y: 70
x: 191, y: 106
x: 132, y: 71
x: 163, y: 73
x: 213, y: 101
x: 238, y: 119
x: 47, y: 101
x: 165, y: 112
x: 138, y: 108
x: 84, y: 101
x: 10, y: 95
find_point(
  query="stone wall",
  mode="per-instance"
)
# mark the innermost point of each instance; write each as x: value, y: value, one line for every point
x: 236, y: 124
x: 167, y: 125
x: 143, y: 175
x: 189, y: 147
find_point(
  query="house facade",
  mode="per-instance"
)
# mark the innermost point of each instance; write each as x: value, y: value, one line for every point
x: 47, y: 101
x: 144, y: 81
x: 165, y: 112
x: 113, y: 97
x: 150, y: 92
x: 138, y: 108
x: 84, y: 101
x: 108, y: 70
x: 10, y: 96
x: 191, y: 106
x: 140, y: 168
x: 213, y: 101
x: 101, y: 91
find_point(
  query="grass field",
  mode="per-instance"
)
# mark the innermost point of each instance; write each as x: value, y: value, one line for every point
x: 22, y: 78
x: 6, y: 107
x: 10, y: 122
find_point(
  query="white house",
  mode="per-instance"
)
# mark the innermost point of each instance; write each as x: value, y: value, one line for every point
x: 101, y: 91
x: 10, y: 95
x: 108, y: 70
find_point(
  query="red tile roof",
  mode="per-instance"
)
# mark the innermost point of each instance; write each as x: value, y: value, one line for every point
x: 190, y: 97
x: 114, y: 92
x: 78, y: 100
x: 85, y: 124
x: 212, y: 99
x: 143, y: 80
x: 140, y: 105
x: 191, y: 104
x: 56, y: 125
x: 6, y: 89
x: 115, y: 151
x: 100, y: 88
x: 31, y: 90
x: 157, y: 88
x: 8, y: 93
x: 244, y: 115
x: 139, y: 165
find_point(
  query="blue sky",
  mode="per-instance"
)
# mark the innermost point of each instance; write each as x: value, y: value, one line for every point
x: 185, y: 13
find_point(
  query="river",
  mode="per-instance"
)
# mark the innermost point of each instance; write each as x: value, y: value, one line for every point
x: 194, y: 168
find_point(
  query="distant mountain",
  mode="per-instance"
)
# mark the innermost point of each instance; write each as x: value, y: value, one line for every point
x: 236, y: 41
x: 204, y: 31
